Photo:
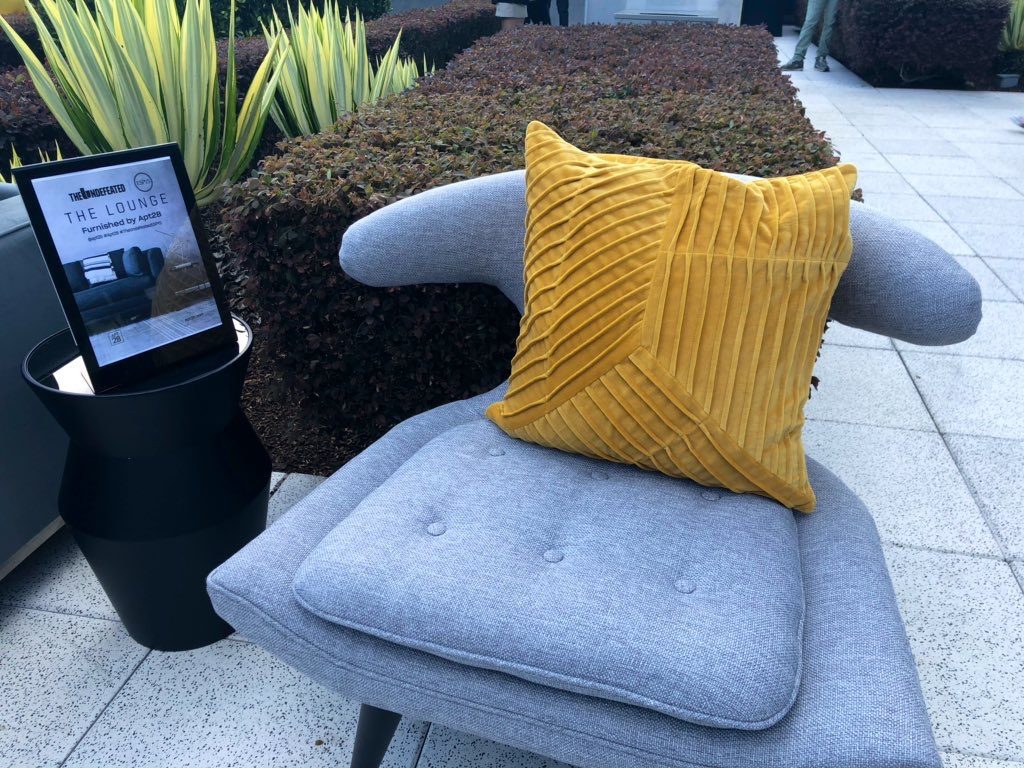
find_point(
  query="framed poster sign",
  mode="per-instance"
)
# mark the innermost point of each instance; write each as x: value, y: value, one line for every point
x: 126, y: 251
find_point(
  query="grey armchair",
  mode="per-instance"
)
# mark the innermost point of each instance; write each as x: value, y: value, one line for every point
x: 590, y: 612
x: 32, y: 446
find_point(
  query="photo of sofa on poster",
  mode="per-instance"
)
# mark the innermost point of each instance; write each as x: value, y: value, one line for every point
x: 117, y: 291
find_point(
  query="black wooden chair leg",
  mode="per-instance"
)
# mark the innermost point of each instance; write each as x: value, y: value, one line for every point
x: 373, y: 735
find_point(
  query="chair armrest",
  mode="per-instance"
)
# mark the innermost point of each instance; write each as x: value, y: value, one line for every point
x: 898, y: 283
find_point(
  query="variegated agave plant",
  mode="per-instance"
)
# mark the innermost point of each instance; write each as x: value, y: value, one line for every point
x: 130, y: 74
x: 326, y: 71
x: 1013, y: 34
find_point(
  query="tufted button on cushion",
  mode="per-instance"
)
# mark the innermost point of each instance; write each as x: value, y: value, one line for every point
x: 685, y: 586
x: 610, y: 620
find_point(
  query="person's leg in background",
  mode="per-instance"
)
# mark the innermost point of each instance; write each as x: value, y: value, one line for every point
x: 539, y: 12
x: 831, y: 11
x: 563, y: 12
x: 511, y: 14
x: 815, y: 9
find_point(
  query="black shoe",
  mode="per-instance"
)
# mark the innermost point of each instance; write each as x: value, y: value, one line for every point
x: 821, y: 64
x: 793, y: 65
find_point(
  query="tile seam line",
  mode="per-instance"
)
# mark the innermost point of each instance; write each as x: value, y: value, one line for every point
x: 52, y: 612
x: 929, y: 350
x: 992, y: 529
x: 984, y: 260
x: 421, y: 746
x: 104, y: 708
x: 942, y: 551
x: 926, y: 430
x: 984, y: 755
x: 923, y: 200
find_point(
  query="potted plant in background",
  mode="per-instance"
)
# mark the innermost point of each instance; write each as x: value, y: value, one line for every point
x: 1011, y: 59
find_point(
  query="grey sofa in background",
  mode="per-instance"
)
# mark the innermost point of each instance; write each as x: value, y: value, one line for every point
x: 32, y: 446
x: 590, y: 612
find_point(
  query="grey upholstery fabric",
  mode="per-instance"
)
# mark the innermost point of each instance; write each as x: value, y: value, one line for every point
x: 576, y: 573
x: 859, y: 704
x: 899, y: 283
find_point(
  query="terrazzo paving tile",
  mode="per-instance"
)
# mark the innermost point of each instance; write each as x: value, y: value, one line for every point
x: 976, y: 210
x: 294, y: 488
x: 1001, y: 240
x: 993, y: 468
x: 446, y: 748
x: 866, y: 160
x: 1011, y: 272
x: 275, y: 479
x: 1000, y: 334
x: 962, y: 186
x: 918, y: 146
x: 1000, y: 159
x: 983, y: 131
x: 56, y: 673
x: 943, y: 235
x: 992, y: 287
x: 948, y: 165
x: 908, y: 481
x: 971, y: 395
x: 866, y: 386
x: 56, y: 577
x: 845, y: 336
x: 947, y: 116
x: 836, y: 130
x: 873, y: 182
x: 911, y: 206
x: 965, y: 617
x: 883, y: 116
x: 229, y: 705
x: 854, y: 145
x: 890, y: 130
x: 973, y: 761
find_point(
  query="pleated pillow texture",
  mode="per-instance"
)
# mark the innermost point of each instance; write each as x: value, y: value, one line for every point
x: 673, y: 314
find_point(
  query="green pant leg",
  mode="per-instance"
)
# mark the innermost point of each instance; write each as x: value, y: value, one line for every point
x: 815, y: 9
x: 831, y: 11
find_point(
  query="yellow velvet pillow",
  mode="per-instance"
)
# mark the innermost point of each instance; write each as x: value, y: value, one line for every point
x: 673, y: 314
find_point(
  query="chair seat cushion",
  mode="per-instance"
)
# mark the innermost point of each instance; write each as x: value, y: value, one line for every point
x: 586, y: 576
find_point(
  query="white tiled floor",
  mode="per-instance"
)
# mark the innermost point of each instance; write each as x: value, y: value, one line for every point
x: 931, y: 439
x: 946, y: 489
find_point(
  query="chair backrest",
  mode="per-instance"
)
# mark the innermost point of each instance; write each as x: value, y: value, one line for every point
x: 898, y: 283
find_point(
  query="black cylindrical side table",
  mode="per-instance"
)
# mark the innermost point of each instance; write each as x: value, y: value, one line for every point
x: 161, y: 485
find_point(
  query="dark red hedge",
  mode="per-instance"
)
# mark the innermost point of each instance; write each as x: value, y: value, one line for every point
x: 366, y: 358
x: 897, y: 42
x: 23, y: 25
x: 25, y: 121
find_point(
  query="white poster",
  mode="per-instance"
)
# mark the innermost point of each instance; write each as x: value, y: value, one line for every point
x: 130, y: 254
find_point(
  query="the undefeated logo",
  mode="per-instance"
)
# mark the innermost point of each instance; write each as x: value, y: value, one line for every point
x: 86, y: 194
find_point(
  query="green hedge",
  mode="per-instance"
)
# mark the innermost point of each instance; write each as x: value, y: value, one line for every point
x: 367, y: 358
x: 897, y: 42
